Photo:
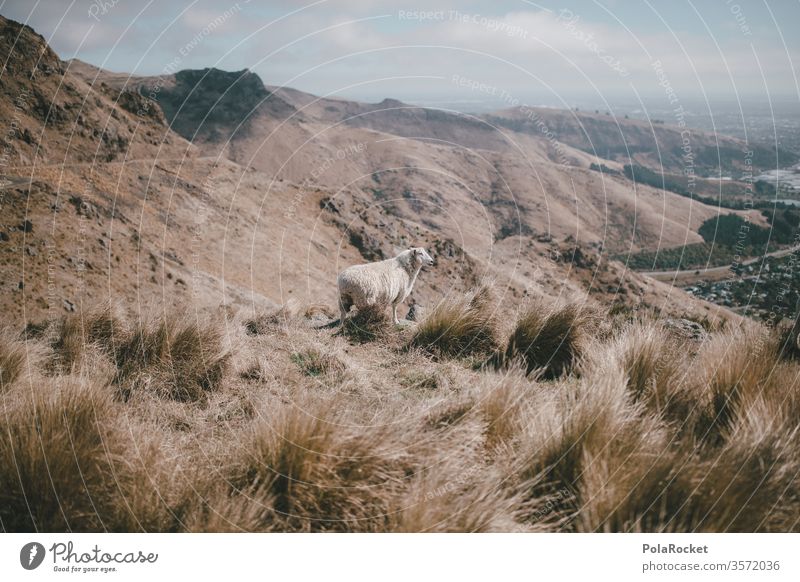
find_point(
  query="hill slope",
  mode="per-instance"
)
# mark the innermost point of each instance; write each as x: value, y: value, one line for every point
x: 278, y: 191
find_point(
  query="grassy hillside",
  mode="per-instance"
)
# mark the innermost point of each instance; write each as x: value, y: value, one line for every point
x: 566, y: 420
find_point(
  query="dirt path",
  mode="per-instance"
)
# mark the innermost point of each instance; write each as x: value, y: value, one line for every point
x: 8, y: 180
x: 12, y: 181
x: 187, y: 159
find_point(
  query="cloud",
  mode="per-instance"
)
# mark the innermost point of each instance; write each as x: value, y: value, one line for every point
x: 327, y: 46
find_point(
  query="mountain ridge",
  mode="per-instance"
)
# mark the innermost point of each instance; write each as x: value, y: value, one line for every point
x: 275, y: 196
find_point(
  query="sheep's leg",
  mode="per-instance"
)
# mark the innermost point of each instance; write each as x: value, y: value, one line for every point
x: 394, y: 314
x: 344, y: 307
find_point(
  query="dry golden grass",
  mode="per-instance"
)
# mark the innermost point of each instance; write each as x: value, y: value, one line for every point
x: 459, y: 326
x: 299, y: 428
x: 16, y: 358
x: 73, y: 338
x: 550, y: 338
x: 319, y: 364
x: 57, y: 458
x: 180, y: 357
x: 317, y: 475
x: 368, y: 324
x: 655, y: 364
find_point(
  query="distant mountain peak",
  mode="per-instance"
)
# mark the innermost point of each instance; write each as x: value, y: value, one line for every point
x: 210, y: 103
x: 389, y: 102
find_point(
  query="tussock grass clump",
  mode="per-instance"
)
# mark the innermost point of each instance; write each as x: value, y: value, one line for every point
x: 747, y: 485
x: 299, y: 429
x: 158, y: 491
x: 501, y: 399
x: 15, y: 359
x: 264, y: 323
x: 68, y: 343
x: 423, y: 377
x: 733, y: 369
x: 449, y: 413
x: 318, y: 475
x: 73, y: 338
x: 788, y: 338
x: 583, y: 415
x: 645, y: 354
x: 602, y: 449
x: 594, y: 458
x: 319, y: 364
x: 750, y: 485
x: 454, y: 497
x: 220, y: 511
x: 655, y: 366
x: 459, y: 326
x: 548, y: 337
x: 287, y: 314
x: 421, y: 381
x: 57, y: 459
x: 182, y: 358
x: 368, y: 324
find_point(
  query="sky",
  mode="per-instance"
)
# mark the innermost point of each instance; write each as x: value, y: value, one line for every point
x: 469, y: 54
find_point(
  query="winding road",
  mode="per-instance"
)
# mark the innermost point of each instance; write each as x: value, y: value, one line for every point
x: 690, y: 276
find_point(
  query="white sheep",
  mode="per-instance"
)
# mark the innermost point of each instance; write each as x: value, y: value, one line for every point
x: 380, y: 284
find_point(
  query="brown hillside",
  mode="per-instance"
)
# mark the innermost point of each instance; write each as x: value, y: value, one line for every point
x: 279, y: 193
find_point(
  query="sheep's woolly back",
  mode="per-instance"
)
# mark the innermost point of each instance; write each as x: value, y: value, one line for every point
x: 379, y: 283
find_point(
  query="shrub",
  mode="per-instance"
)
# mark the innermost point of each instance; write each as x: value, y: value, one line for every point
x: 550, y: 338
x: 459, y: 326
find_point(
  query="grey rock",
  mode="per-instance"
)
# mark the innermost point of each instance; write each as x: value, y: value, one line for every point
x: 686, y: 329
x: 415, y: 312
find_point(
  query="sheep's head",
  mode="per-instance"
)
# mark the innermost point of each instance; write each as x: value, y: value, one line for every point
x: 421, y: 257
